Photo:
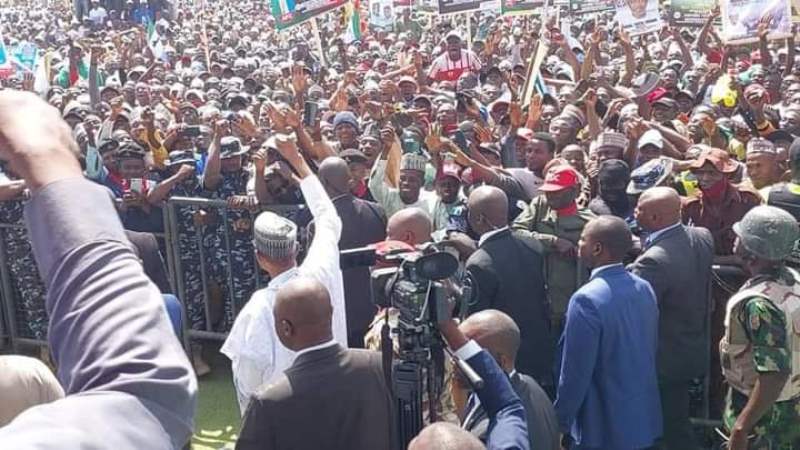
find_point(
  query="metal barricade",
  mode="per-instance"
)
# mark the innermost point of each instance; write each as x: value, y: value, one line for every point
x: 23, y: 320
x: 21, y: 288
x: 220, y: 282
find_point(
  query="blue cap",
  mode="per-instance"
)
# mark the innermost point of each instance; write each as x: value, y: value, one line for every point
x: 345, y: 117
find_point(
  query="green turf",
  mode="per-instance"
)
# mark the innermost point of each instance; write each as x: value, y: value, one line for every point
x: 217, y: 420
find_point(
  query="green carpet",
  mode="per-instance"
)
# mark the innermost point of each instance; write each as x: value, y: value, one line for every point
x: 217, y: 420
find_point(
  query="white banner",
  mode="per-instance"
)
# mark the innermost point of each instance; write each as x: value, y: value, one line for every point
x: 740, y: 19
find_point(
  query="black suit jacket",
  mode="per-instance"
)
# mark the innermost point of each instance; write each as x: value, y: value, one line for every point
x: 677, y: 264
x: 363, y: 223
x: 509, y: 271
x: 146, y: 248
x: 543, y: 429
x: 331, y: 398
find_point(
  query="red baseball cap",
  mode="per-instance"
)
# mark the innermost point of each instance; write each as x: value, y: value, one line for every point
x: 559, y: 178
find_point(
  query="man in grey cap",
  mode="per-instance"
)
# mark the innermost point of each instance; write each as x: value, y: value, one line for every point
x: 257, y: 356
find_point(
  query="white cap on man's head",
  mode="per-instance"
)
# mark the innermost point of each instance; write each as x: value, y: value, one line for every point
x: 275, y: 236
x: 651, y: 137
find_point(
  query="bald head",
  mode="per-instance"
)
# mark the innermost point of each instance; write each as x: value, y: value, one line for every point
x: 334, y: 174
x: 488, y: 207
x: 496, y: 332
x: 409, y: 225
x: 605, y: 240
x: 303, y: 313
x: 445, y: 436
x: 658, y: 208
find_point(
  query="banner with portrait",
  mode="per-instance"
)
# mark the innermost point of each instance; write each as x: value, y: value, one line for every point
x: 288, y: 13
x: 381, y: 14
x: 638, y: 16
x: 521, y: 7
x: 740, y: 19
x: 690, y: 13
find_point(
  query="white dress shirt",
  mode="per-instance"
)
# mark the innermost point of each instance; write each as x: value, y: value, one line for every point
x: 257, y: 355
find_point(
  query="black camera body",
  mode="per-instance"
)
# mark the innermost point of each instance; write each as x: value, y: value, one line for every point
x: 414, y: 287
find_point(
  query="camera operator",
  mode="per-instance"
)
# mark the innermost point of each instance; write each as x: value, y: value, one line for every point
x: 410, y: 226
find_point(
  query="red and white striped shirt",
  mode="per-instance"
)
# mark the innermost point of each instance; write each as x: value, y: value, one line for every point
x: 445, y: 69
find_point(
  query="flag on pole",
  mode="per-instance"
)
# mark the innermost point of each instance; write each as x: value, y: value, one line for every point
x: 154, y: 39
x: 534, y: 81
x: 3, y: 53
x: 352, y: 21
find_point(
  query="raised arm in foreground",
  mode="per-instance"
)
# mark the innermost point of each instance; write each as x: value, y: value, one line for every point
x: 118, y: 359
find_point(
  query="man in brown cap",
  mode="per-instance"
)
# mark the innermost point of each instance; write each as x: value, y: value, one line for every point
x: 718, y: 205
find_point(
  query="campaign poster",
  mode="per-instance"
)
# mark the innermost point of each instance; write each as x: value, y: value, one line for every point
x: 521, y: 7
x: 288, y: 13
x: 461, y: 6
x: 740, y: 19
x: 381, y: 14
x: 690, y: 13
x: 638, y: 16
x: 580, y: 7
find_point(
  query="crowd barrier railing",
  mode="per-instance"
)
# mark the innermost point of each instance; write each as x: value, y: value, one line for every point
x: 221, y: 292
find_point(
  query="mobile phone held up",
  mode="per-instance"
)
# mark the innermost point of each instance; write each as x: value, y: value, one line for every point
x: 310, y: 111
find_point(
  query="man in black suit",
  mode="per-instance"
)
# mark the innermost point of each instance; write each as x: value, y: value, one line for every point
x: 363, y: 223
x: 508, y: 270
x: 331, y: 397
x: 676, y: 261
x: 499, y: 335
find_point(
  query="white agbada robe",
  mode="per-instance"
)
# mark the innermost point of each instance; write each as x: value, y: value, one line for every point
x: 257, y: 355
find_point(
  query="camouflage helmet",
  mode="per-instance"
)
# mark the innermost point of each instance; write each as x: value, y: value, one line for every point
x: 767, y: 232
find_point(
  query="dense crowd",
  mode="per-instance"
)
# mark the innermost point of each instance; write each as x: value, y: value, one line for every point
x: 627, y: 212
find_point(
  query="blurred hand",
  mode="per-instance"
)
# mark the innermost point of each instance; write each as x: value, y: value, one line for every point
x: 185, y: 171
x: 35, y: 141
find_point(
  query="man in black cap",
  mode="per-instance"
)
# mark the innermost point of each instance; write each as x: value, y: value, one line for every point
x: 358, y: 164
x: 613, y: 178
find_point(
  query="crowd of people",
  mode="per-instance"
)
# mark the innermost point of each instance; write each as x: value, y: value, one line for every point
x: 629, y: 224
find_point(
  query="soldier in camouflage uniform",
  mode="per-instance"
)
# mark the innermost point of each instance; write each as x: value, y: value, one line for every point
x: 28, y: 289
x: 227, y: 179
x: 760, y: 350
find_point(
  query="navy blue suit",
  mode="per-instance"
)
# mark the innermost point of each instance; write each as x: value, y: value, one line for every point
x: 608, y: 392
x: 508, y: 427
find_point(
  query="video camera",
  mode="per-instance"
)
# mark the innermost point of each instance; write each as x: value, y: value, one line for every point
x: 423, y: 285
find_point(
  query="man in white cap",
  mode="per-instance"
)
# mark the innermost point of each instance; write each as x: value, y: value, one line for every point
x: 410, y: 192
x: 257, y: 356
